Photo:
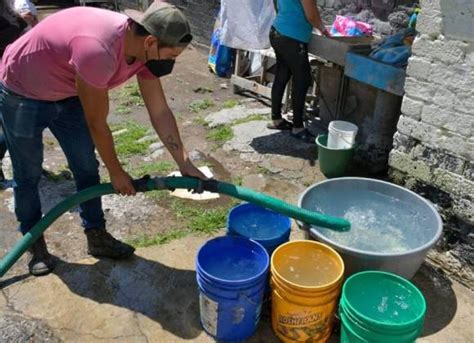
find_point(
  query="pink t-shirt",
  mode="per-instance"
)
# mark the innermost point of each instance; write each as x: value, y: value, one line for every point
x: 84, y: 41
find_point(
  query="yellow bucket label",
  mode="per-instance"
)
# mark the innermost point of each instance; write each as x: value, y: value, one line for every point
x: 303, y: 326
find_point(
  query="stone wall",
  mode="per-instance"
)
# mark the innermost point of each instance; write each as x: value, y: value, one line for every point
x: 433, y: 150
x: 201, y: 15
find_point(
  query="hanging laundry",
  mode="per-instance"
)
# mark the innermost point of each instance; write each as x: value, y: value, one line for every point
x: 245, y: 24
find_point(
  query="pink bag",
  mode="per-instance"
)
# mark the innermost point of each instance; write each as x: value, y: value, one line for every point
x: 348, y: 27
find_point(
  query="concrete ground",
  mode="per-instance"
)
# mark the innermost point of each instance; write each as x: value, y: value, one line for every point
x: 153, y: 298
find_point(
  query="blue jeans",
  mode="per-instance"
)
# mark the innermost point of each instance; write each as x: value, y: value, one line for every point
x: 3, y: 146
x: 24, y: 121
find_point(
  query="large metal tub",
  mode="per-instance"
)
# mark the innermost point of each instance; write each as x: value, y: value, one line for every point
x: 350, y: 190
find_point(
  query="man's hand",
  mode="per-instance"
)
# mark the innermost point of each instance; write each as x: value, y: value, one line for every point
x: 122, y: 183
x: 189, y: 169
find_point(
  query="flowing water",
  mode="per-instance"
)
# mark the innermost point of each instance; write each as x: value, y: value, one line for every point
x: 380, y: 223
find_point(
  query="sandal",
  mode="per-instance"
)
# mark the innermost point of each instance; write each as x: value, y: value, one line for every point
x: 304, y: 136
x: 284, y: 125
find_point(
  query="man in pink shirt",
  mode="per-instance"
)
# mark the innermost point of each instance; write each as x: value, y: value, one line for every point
x: 57, y: 76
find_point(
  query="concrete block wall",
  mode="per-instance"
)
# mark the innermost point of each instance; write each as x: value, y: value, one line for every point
x: 433, y: 151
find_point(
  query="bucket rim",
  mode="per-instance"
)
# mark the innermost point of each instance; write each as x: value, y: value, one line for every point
x: 335, y: 122
x: 201, y: 270
x: 319, y: 144
x: 373, y: 321
x: 296, y: 286
x: 266, y: 240
x: 313, y: 229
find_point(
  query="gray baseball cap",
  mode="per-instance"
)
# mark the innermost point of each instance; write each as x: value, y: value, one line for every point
x: 164, y: 21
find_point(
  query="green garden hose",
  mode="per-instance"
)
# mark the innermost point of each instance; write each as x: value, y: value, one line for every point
x: 170, y: 183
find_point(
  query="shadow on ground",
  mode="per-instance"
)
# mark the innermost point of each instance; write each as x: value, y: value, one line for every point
x: 281, y: 143
x: 164, y: 294
x: 441, y: 302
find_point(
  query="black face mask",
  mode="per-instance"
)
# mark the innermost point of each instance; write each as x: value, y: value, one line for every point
x: 160, y: 68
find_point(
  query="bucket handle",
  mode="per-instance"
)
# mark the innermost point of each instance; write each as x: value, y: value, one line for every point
x: 342, y: 137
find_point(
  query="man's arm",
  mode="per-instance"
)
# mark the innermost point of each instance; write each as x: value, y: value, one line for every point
x: 95, y: 103
x: 164, y: 123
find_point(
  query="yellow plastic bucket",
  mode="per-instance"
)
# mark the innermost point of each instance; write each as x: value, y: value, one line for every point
x: 306, y: 279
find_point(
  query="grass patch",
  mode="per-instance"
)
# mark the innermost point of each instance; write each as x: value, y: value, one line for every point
x: 263, y: 170
x: 192, y: 219
x: 131, y: 95
x: 202, y: 220
x: 157, y: 196
x: 127, y: 97
x: 126, y: 143
x: 153, y: 168
x: 200, y: 121
x: 230, y: 103
x: 221, y: 134
x: 121, y: 109
x: 252, y: 117
x: 200, y: 105
x: 161, y: 238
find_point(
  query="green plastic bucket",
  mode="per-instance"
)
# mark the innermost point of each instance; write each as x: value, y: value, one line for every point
x: 333, y: 162
x: 380, y: 307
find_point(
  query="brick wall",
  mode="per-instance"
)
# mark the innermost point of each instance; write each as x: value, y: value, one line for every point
x: 433, y: 150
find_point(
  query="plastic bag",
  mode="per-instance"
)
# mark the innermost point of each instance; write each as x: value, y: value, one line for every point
x: 348, y: 27
x: 220, y: 56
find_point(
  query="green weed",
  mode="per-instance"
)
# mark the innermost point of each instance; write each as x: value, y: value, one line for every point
x: 200, y: 105
x: 221, y: 134
x: 126, y: 143
x: 230, y: 103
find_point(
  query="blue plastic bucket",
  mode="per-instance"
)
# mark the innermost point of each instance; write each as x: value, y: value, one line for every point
x: 266, y: 227
x: 232, y: 274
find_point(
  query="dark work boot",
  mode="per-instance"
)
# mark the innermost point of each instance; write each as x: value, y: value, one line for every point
x: 100, y: 243
x: 42, y: 262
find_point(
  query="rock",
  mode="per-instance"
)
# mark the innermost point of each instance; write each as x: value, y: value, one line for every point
x: 398, y: 20
x: 154, y: 155
x: 228, y: 115
x: 224, y: 86
x: 119, y: 132
x: 381, y: 27
x: 14, y: 328
x: 156, y: 146
x: 149, y: 138
x: 196, y: 155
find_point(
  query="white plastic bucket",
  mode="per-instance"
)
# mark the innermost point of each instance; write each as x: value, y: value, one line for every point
x: 342, y: 134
